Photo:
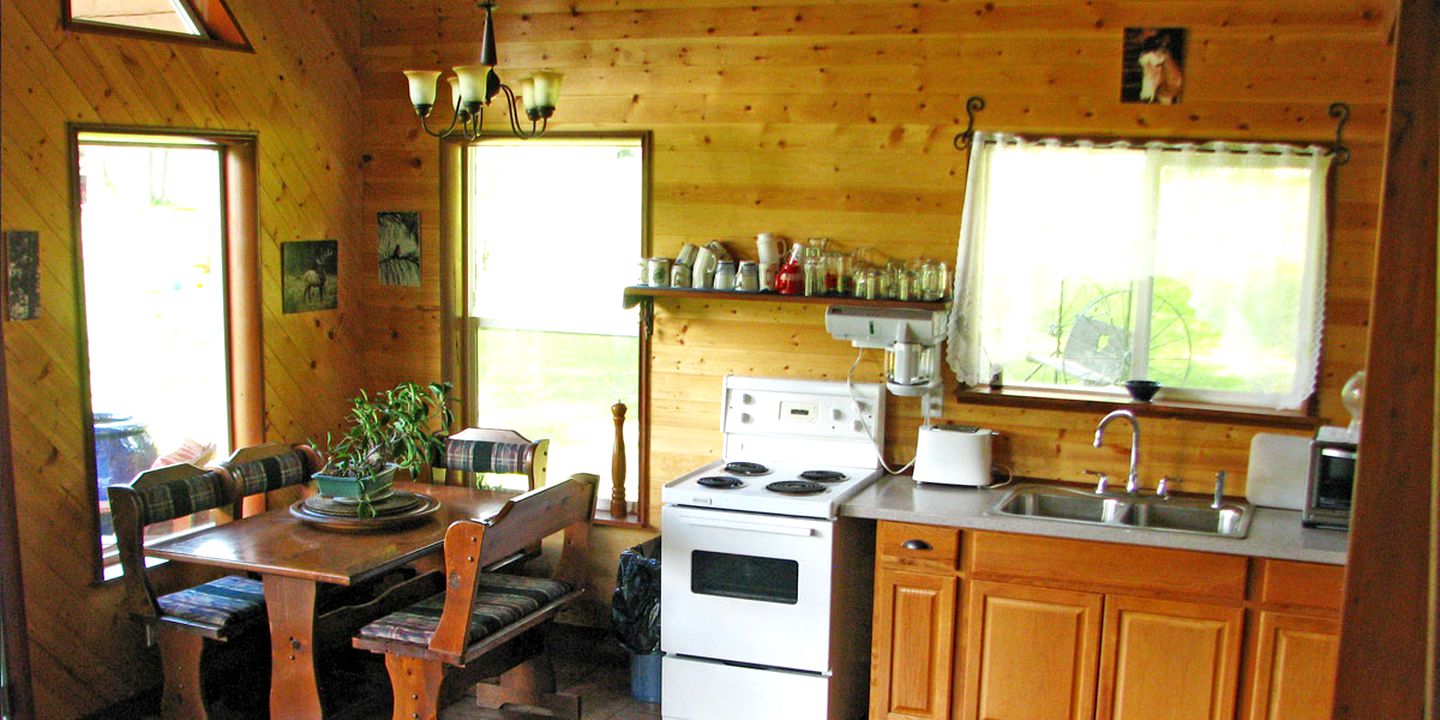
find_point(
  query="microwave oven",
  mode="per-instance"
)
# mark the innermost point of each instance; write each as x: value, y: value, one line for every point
x: 1332, y: 482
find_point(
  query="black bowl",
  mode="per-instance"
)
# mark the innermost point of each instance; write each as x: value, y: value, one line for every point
x: 1142, y: 390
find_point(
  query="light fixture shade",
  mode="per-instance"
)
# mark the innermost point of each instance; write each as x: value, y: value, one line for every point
x: 422, y: 86
x: 472, y: 82
x: 547, y: 89
x: 527, y: 95
x: 456, y: 98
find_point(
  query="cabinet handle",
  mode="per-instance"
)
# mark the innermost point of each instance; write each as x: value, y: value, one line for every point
x: 915, y: 545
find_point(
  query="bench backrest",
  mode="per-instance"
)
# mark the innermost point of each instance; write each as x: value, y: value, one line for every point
x: 487, y: 450
x: 157, y: 496
x: 472, y: 545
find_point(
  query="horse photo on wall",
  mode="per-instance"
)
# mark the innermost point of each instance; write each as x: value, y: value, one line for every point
x: 308, y: 276
x: 1153, y: 70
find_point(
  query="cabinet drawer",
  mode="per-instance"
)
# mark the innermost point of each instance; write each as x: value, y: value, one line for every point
x: 918, y: 547
x: 1105, y: 567
x: 1311, y: 585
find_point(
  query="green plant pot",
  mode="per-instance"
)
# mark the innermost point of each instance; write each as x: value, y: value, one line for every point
x: 342, y: 488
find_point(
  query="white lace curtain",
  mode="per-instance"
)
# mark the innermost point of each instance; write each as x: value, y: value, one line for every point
x: 1212, y: 255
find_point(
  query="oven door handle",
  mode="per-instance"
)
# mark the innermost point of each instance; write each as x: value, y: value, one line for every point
x: 749, y: 527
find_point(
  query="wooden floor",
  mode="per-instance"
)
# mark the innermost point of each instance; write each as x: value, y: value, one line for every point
x: 588, y: 662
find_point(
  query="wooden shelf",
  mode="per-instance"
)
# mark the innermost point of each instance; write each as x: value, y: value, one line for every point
x: 637, y: 294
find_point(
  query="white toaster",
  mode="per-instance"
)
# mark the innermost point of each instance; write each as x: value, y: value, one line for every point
x: 953, y: 455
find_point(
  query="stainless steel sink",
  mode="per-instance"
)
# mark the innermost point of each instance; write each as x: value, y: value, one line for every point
x: 1148, y: 512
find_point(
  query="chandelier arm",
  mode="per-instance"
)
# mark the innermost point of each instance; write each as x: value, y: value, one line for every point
x: 425, y: 125
x: 510, y: 103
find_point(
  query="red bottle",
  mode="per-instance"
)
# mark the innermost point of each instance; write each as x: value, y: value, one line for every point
x: 790, y: 278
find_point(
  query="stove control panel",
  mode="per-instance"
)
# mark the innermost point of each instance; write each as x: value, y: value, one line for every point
x: 802, y: 418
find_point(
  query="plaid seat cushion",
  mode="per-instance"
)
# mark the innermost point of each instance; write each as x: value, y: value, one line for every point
x: 483, y: 456
x: 499, y: 601
x: 179, y: 498
x: 270, y: 473
x: 223, y: 603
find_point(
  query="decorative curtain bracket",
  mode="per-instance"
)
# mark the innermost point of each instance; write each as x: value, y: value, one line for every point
x: 973, y: 104
x: 1341, y: 112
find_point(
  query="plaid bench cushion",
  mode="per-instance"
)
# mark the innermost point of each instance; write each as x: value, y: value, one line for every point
x: 223, y: 603
x: 483, y: 456
x: 271, y: 473
x: 178, y: 498
x: 499, y: 601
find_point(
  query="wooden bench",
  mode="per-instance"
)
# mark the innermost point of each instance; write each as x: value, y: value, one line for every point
x: 485, y: 623
x: 183, y: 623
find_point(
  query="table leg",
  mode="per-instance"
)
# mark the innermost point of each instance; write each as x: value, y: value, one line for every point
x: 294, y: 691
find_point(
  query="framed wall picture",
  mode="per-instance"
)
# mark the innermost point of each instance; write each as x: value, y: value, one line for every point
x: 308, y: 274
x: 1154, y: 66
x: 399, y: 245
x: 22, y: 274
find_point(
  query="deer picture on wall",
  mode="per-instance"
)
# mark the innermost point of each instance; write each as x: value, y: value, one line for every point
x: 308, y: 274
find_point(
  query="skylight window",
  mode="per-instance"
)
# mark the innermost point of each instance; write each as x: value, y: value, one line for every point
x: 168, y: 16
x: 200, y: 21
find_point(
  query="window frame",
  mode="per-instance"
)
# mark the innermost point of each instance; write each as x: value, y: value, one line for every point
x: 242, y: 302
x: 456, y: 326
x: 1198, y: 405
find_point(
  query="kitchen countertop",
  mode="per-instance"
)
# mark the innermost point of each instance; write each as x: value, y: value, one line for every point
x: 1273, y: 533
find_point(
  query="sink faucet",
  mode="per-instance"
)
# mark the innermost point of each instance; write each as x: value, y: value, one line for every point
x: 1132, y: 482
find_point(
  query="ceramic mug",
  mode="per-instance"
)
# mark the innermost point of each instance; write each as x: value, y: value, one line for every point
x: 748, y: 279
x: 770, y: 248
x: 767, y: 276
x: 702, y: 274
x: 719, y: 250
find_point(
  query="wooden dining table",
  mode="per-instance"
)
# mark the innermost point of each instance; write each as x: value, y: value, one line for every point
x: 295, y: 558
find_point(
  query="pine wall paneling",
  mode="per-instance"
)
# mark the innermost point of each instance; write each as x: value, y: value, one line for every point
x: 297, y: 91
x: 836, y: 119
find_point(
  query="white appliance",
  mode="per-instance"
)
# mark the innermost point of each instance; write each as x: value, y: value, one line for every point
x: 911, y: 339
x: 764, y: 596
x: 953, y: 455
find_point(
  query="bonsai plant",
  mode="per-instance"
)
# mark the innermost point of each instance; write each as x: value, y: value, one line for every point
x: 398, y: 428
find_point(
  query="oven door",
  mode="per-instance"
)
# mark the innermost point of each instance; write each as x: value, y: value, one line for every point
x: 748, y: 588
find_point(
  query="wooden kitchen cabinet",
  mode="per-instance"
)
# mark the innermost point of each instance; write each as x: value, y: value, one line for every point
x: 979, y: 625
x: 914, y: 623
x: 1294, y: 669
x: 1163, y: 658
x: 914, y: 629
x: 1030, y: 652
x: 1297, y: 641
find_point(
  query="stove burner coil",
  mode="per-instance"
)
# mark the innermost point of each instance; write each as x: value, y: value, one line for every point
x: 795, y: 487
x: 740, y: 467
x: 721, y: 482
x: 824, y: 476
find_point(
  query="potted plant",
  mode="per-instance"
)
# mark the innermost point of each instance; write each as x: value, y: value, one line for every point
x: 399, y: 428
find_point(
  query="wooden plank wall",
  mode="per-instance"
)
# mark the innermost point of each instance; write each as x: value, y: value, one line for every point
x: 298, y: 92
x: 836, y: 120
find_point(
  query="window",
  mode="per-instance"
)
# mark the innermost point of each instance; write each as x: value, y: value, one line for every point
x: 205, y: 21
x: 153, y: 229
x: 555, y: 227
x: 1201, y: 267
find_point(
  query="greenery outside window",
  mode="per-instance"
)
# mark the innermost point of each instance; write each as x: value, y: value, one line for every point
x: 1202, y: 267
x: 554, y: 226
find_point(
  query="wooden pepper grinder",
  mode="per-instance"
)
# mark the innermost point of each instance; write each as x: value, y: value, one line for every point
x: 617, y: 464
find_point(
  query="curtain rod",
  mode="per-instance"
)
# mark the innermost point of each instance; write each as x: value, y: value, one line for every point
x: 1338, y: 110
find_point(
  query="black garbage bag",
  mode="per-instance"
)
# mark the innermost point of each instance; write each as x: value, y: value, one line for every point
x: 635, y: 607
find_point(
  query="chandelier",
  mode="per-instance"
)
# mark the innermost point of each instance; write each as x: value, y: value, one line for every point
x: 473, y: 86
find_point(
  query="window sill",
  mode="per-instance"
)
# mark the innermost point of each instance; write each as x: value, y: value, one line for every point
x: 604, y: 518
x: 1044, y: 399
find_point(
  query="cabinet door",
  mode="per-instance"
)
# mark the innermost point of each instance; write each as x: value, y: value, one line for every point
x: 1030, y: 653
x: 1294, y: 667
x: 1162, y: 659
x: 914, y: 632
